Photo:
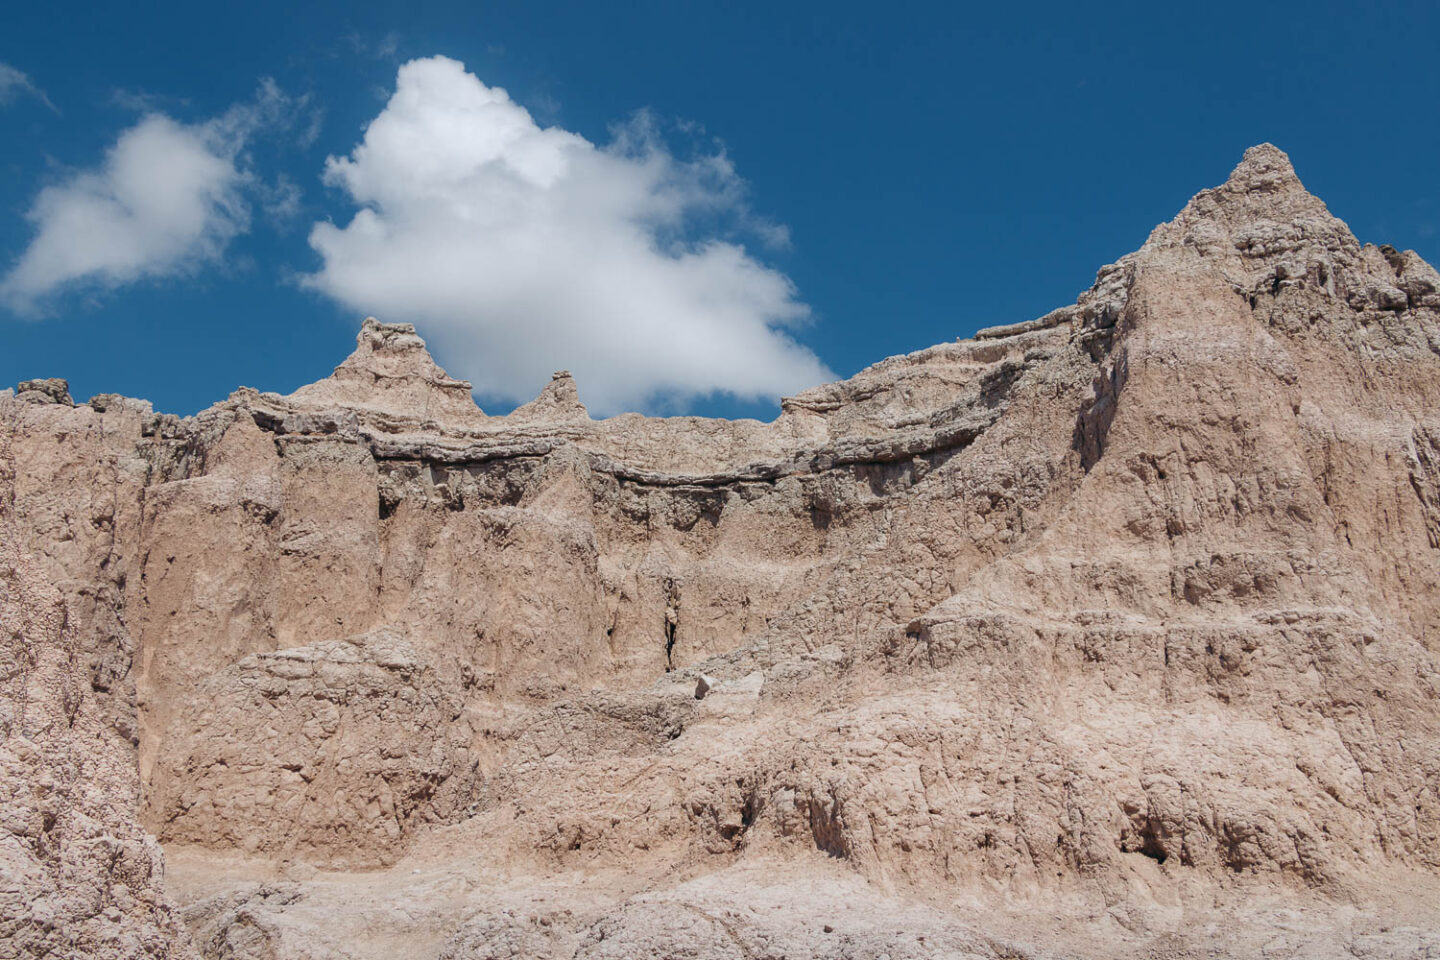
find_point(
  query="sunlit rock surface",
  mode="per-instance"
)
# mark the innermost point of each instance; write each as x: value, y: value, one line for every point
x: 1111, y: 633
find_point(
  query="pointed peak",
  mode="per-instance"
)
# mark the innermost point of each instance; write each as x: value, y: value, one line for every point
x: 1265, y: 168
x: 1262, y: 185
x: 559, y: 402
x: 394, y: 351
x: 391, y: 371
x: 1261, y: 209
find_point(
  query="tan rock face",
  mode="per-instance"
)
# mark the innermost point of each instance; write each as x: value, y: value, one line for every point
x: 79, y: 876
x: 361, y: 746
x: 1124, y: 618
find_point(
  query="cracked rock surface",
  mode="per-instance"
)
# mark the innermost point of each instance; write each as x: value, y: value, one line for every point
x: 1112, y: 633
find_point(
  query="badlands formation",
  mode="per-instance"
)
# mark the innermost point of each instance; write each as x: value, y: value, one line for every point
x: 1114, y: 633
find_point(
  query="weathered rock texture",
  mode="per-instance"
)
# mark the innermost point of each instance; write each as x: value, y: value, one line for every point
x: 1111, y: 633
x: 79, y: 876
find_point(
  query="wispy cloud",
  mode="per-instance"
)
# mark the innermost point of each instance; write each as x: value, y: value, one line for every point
x: 383, y: 48
x: 522, y: 249
x: 14, y: 83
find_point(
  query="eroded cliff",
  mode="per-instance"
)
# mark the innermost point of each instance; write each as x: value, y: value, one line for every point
x: 1124, y: 618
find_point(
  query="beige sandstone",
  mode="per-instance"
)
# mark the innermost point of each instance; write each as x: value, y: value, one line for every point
x: 1113, y: 633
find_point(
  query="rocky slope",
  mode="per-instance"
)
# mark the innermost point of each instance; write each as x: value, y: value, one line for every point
x: 1124, y: 619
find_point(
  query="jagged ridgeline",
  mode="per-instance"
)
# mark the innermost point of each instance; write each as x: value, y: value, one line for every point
x: 1109, y: 633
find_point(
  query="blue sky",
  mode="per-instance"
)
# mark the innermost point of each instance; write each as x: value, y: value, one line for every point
x: 697, y: 206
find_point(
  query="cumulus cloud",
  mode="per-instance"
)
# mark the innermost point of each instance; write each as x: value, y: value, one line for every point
x: 14, y: 82
x: 521, y: 249
x: 167, y: 198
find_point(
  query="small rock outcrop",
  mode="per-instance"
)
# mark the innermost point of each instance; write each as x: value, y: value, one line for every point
x: 558, y: 403
x: 1108, y: 633
x: 49, y: 390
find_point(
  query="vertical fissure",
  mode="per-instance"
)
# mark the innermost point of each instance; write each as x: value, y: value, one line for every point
x: 672, y: 622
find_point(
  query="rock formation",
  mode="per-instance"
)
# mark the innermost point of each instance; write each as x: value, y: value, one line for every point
x: 1125, y: 620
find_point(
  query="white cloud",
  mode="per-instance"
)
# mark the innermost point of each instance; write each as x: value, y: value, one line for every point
x: 168, y: 198
x: 520, y: 249
x: 13, y: 82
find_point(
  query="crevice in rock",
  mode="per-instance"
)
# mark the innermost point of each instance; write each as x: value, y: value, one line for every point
x: 1092, y: 426
x: 672, y: 622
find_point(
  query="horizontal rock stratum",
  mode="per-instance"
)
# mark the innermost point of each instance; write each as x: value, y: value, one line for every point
x: 1112, y: 633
